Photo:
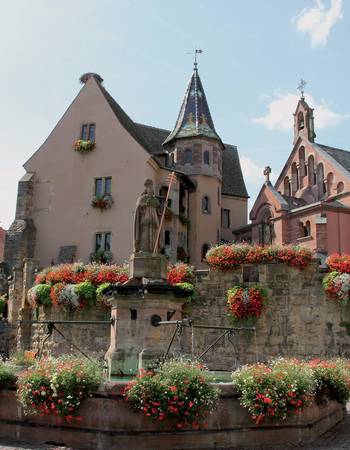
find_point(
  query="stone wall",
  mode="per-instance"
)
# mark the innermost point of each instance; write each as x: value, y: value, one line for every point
x: 299, y: 320
x: 92, y: 339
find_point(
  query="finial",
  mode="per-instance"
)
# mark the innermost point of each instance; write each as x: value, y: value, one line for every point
x: 267, y: 172
x: 196, y: 52
x: 301, y: 87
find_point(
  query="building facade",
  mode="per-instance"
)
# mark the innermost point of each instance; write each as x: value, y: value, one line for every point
x: 78, y: 196
x: 309, y: 205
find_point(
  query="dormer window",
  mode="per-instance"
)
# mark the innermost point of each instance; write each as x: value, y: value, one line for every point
x: 88, y: 132
x: 188, y: 156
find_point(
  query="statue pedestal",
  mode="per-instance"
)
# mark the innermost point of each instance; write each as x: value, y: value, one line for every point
x: 146, y: 265
x: 136, y: 341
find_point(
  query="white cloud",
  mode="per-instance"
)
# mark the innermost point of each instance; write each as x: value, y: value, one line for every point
x: 282, y: 106
x: 318, y: 21
x: 252, y: 173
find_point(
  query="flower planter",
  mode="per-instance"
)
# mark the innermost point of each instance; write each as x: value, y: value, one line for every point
x: 84, y: 146
x: 104, y: 202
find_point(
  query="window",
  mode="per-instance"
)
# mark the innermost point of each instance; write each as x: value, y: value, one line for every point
x: 295, y: 178
x: 340, y: 187
x: 103, y: 241
x: 163, y: 192
x: 103, y: 186
x: 167, y: 237
x: 206, y: 157
x: 330, y: 178
x: 312, y: 173
x: 320, y: 179
x: 287, y: 187
x: 205, y: 248
x: 305, y: 229
x: 301, y: 123
x: 206, y: 205
x: 188, y: 156
x: 88, y: 132
x: 225, y: 218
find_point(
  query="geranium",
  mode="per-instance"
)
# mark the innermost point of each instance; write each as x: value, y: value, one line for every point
x: 246, y: 304
x: 102, y: 202
x: 58, y: 386
x: 180, y: 273
x: 82, y: 146
x: 180, y: 391
x: 230, y: 256
x: 337, y: 286
x: 276, y: 390
x: 339, y: 263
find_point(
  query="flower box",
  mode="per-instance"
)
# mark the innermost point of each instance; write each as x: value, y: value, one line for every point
x: 82, y: 146
x: 102, y: 202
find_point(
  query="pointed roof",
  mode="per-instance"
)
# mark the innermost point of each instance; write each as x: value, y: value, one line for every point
x: 194, y: 118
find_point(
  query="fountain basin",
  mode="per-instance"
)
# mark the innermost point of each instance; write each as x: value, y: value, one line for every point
x: 110, y: 422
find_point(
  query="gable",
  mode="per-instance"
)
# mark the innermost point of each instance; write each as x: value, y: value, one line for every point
x: 268, y: 195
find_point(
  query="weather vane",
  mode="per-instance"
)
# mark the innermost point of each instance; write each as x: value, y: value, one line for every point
x: 196, y: 52
x: 301, y: 87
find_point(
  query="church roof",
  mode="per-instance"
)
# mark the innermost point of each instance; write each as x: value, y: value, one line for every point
x: 152, y: 138
x: 194, y: 118
x: 340, y: 155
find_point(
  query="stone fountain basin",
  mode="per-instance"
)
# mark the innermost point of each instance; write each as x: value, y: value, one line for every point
x: 110, y: 422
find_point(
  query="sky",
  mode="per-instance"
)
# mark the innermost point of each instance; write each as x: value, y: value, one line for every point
x: 254, y: 54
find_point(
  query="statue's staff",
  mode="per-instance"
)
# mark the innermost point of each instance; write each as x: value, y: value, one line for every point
x: 172, y: 180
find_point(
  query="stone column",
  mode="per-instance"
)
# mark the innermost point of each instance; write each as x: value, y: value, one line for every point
x: 135, y: 340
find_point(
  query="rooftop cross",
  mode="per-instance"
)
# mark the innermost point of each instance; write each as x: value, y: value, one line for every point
x: 196, y: 52
x: 301, y: 87
x: 267, y: 172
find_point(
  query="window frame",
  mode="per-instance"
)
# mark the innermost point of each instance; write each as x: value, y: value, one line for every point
x: 106, y: 241
x: 228, y: 217
x: 88, y: 127
x: 103, y: 186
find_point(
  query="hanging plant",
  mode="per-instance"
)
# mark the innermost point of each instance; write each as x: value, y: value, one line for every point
x: 102, y: 202
x: 245, y: 305
x: 337, y: 286
x: 82, y: 146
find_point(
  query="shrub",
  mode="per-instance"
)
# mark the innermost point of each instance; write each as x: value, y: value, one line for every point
x: 276, y: 391
x: 180, y: 273
x: 57, y: 386
x: 246, y: 304
x: 7, y: 376
x: 180, y: 391
x: 104, y: 287
x: 39, y: 295
x: 332, y: 379
x: 190, y: 289
x: 230, y: 256
x: 86, y: 291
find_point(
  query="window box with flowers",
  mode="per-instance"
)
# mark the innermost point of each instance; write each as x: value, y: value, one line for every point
x: 102, y: 202
x: 83, y: 147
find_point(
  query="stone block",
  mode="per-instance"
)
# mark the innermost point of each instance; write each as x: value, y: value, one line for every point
x: 145, y: 265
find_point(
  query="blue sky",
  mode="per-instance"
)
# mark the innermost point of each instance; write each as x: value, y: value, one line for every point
x: 255, y: 52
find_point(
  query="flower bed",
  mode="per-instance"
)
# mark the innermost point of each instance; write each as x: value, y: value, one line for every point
x: 82, y: 146
x: 180, y: 392
x: 284, y: 388
x: 229, y: 257
x: 58, y: 387
x: 74, y: 285
x: 245, y: 305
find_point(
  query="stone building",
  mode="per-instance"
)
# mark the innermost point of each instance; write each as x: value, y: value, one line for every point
x: 309, y: 204
x: 72, y: 204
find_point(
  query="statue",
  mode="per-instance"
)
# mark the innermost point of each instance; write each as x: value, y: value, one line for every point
x: 146, y: 222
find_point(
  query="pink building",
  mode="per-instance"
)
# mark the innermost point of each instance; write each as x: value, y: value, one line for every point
x: 309, y: 205
x: 78, y: 200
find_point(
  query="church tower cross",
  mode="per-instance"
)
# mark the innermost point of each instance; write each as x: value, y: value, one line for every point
x: 301, y: 87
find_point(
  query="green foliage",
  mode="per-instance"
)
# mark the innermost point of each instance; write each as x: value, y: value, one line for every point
x: 87, y: 291
x: 332, y: 379
x: 7, y: 375
x: 102, y: 288
x: 20, y: 359
x: 180, y: 391
x: 188, y: 288
x: 39, y: 295
x: 58, y: 386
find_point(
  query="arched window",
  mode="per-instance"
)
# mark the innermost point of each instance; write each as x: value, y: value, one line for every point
x: 312, y: 173
x: 188, y: 156
x: 305, y: 229
x: 302, y: 165
x: 340, y: 187
x: 301, y: 121
x: 320, y: 179
x: 167, y: 237
x: 295, y: 178
x: 206, y: 157
x: 206, y: 204
x: 330, y: 178
x: 205, y: 248
x: 287, y: 187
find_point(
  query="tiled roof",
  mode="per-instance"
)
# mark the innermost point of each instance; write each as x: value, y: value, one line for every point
x: 341, y: 156
x: 152, y: 138
x: 194, y: 118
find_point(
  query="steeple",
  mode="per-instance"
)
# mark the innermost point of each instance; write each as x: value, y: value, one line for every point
x: 303, y: 117
x: 194, y: 118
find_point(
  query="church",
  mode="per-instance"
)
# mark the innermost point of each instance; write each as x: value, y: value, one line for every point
x: 76, y: 201
x: 309, y: 205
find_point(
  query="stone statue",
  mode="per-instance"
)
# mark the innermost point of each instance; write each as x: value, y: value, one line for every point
x: 146, y: 221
